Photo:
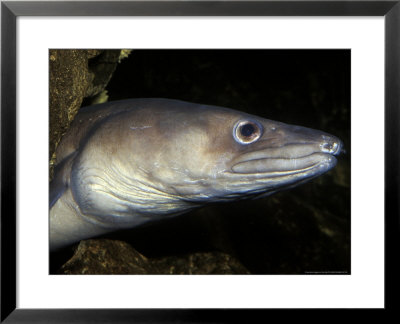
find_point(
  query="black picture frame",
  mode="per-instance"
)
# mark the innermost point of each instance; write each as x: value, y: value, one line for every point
x: 10, y: 10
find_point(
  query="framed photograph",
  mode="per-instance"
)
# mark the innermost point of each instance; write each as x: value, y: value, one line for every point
x: 197, y: 160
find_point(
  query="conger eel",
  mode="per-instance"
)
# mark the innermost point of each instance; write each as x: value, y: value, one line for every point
x: 128, y: 162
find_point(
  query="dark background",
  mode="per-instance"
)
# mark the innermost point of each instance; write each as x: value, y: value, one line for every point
x: 303, y: 230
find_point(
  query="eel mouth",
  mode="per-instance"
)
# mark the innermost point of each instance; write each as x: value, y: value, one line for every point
x: 309, y: 158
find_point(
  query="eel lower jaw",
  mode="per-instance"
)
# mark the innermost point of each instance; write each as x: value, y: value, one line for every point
x: 310, y: 165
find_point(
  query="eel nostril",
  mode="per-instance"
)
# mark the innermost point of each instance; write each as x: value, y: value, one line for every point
x: 333, y: 146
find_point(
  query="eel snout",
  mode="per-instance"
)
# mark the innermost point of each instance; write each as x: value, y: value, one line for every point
x: 286, y: 150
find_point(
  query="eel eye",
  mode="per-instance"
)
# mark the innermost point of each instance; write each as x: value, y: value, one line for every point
x: 246, y: 132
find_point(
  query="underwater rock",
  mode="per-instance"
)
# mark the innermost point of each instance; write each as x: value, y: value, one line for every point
x: 104, y: 256
x: 69, y: 80
x: 74, y: 76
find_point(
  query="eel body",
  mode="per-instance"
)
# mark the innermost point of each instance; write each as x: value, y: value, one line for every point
x: 125, y: 163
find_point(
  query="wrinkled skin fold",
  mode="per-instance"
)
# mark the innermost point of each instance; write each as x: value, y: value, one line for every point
x: 128, y: 162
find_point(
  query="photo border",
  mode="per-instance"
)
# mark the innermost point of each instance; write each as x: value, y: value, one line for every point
x: 10, y: 10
